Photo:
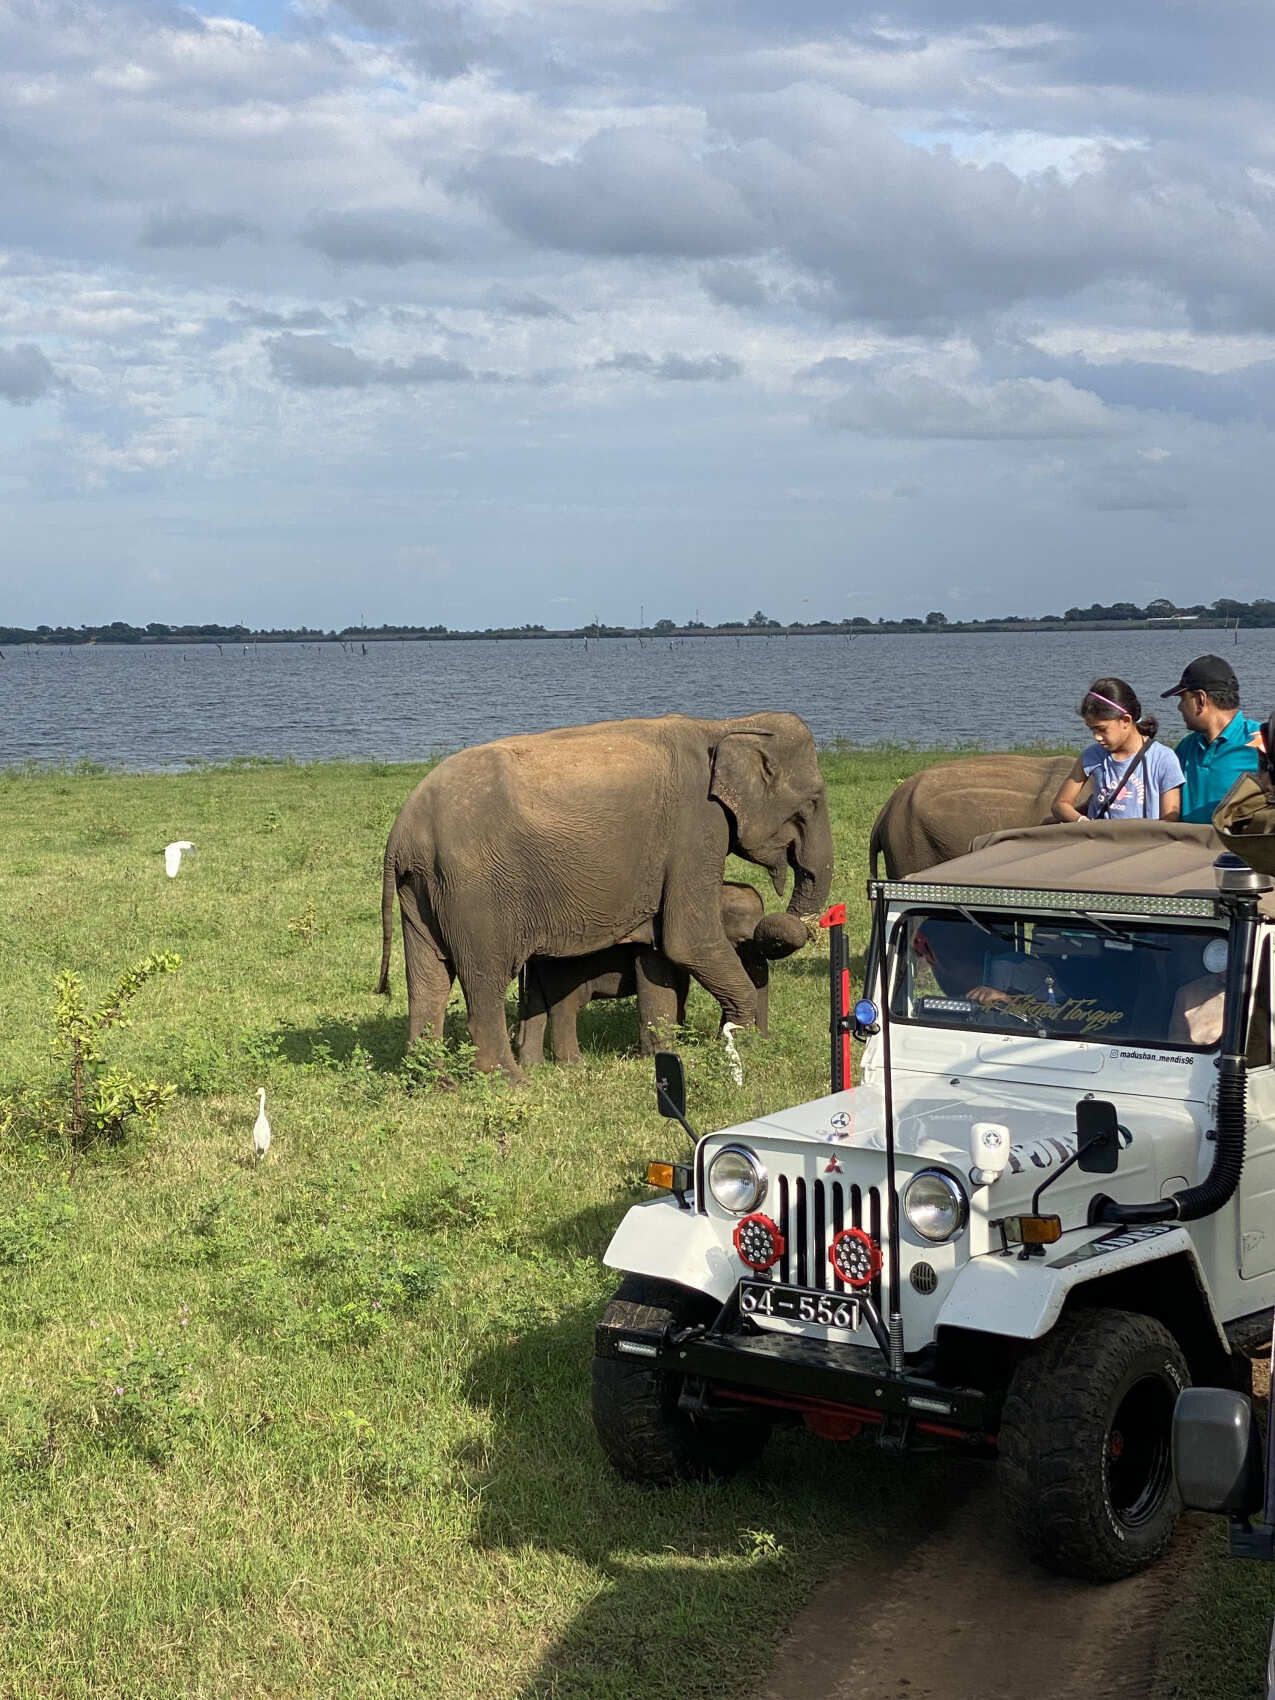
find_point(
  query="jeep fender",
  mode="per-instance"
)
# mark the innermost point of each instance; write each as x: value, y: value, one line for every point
x: 1023, y: 1299
x: 667, y: 1243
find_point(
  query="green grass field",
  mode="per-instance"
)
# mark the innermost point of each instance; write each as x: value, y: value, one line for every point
x: 319, y: 1426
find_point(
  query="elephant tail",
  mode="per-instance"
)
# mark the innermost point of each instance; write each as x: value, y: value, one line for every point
x: 875, y: 847
x: 389, y: 882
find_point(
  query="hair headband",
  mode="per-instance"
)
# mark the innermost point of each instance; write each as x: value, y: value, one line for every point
x: 1098, y: 697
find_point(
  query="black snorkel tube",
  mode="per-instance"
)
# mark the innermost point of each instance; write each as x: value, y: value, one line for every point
x: 1240, y: 890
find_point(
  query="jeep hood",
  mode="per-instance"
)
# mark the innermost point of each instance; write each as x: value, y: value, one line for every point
x: 934, y: 1127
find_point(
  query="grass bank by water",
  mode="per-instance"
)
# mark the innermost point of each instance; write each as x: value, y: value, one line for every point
x: 319, y: 1426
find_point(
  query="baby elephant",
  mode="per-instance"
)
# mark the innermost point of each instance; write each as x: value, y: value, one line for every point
x: 556, y: 988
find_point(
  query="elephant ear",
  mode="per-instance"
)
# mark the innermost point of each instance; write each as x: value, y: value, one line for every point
x: 742, y: 772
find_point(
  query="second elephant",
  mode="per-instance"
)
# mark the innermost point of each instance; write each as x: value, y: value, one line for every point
x: 936, y: 814
x: 556, y: 989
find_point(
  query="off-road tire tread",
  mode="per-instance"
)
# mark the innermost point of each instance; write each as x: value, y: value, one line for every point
x: 1053, y: 1413
x: 645, y: 1437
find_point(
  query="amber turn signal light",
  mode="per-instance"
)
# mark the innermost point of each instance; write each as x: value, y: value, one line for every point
x: 669, y: 1177
x: 1032, y: 1230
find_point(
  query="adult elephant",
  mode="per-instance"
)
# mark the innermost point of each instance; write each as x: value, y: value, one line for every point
x: 555, y: 989
x: 564, y: 842
x: 936, y: 814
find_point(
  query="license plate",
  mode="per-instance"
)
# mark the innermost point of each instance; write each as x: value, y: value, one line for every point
x: 765, y: 1301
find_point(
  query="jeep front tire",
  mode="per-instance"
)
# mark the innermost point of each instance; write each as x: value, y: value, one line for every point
x: 1086, y: 1469
x: 645, y: 1435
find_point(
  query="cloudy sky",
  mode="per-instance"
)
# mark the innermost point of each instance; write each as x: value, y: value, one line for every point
x: 492, y: 311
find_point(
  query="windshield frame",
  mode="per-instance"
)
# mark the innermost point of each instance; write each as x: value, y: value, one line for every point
x: 895, y: 992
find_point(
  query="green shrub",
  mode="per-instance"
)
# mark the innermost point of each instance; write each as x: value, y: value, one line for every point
x: 94, y: 1101
x: 27, y: 1231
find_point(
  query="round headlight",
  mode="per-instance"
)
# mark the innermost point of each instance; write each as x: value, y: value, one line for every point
x: 736, y: 1180
x: 935, y: 1205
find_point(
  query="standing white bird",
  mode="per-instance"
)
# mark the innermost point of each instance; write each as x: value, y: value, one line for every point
x: 729, y: 1029
x: 261, y: 1127
x: 173, y: 855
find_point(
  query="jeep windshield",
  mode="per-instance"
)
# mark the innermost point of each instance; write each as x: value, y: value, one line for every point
x: 1099, y: 980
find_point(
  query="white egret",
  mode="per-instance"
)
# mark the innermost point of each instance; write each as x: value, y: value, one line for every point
x: 261, y: 1127
x: 729, y: 1029
x: 173, y: 855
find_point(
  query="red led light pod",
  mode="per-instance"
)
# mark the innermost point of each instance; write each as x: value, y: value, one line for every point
x: 855, y: 1256
x: 758, y: 1241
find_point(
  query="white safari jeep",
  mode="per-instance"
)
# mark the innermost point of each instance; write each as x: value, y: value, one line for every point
x: 1047, y: 1208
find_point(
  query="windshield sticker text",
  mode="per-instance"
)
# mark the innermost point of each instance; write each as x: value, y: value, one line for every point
x: 1080, y: 1014
x: 1154, y: 1056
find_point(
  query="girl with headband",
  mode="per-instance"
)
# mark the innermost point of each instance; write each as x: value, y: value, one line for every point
x: 1132, y: 777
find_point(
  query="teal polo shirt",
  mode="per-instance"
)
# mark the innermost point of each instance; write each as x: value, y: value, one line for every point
x: 1211, y: 769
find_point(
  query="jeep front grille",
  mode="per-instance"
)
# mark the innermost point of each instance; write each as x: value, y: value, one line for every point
x: 810, y: 1214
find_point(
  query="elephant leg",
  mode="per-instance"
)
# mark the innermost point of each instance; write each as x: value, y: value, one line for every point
x: 429, y: 973
x: 531, y: 1040
x: 537, y: 991
x: 757, y: 967
x: 661, y: 998
x: 715, y: 965
x: 564, y: 1013
x: 485, y: 1004
x: 763, y: 1008
x: 533, y: 1017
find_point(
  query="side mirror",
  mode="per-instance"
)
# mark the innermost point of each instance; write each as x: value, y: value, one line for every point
x: 1098, y: 1137
x: 670, y: 1085
x: 1217, y: 1451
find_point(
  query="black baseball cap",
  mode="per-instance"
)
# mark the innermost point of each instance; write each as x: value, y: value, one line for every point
x: 1206, y: 673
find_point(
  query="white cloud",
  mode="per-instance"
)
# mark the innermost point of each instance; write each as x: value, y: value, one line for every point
x: 598, y: 268
x: 912, y: 405
x: 316, y: 362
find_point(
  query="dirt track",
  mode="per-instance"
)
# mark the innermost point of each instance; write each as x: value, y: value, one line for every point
x: 961, y: 1615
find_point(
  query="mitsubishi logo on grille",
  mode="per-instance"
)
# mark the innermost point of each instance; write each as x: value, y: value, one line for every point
x: 833, y: 1167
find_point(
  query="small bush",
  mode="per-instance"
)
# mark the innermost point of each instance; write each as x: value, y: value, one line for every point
x: 431, y: 1065
x: 452, y: 1199
x: 94, y: 1101
x: 142, y: 1403
x: 27, y: 1232
x: 306, y: 924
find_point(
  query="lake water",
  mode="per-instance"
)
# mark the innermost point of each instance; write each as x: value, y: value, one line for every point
x: 162, y: 708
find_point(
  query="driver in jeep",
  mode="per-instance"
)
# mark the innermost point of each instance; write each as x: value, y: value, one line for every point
x: 1084, y: 980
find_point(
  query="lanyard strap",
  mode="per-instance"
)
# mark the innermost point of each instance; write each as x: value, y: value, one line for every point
x: 1104, y: 808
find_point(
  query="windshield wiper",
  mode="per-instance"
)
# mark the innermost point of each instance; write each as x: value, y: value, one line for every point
x: 1113, y: 932
x: 986, y: 927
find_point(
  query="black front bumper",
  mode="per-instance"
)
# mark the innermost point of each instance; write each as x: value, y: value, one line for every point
x: 789, y: 1366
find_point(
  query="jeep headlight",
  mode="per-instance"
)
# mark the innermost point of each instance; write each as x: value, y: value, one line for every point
x: 935, y: 1205
x: 736, y: 1180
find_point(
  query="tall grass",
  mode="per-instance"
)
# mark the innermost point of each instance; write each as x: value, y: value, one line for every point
x: 319, y: 1425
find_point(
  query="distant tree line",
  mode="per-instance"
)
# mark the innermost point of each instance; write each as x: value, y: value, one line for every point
x: 1225, y: 611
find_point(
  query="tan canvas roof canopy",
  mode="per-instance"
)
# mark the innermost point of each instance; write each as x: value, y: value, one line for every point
x: 1167, y: 858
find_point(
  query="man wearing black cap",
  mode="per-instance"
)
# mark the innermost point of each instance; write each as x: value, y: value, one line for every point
x: 1221, y: 743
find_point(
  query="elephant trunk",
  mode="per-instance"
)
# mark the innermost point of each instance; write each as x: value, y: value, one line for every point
x: 810, y: 858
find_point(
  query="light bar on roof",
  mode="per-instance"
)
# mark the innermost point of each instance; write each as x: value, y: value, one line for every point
x: 1025, y: 897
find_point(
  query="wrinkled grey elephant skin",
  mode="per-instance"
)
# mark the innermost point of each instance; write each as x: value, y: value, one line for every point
x: 561, y: 843
x: 936, y: 814
x: 556, y: 989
